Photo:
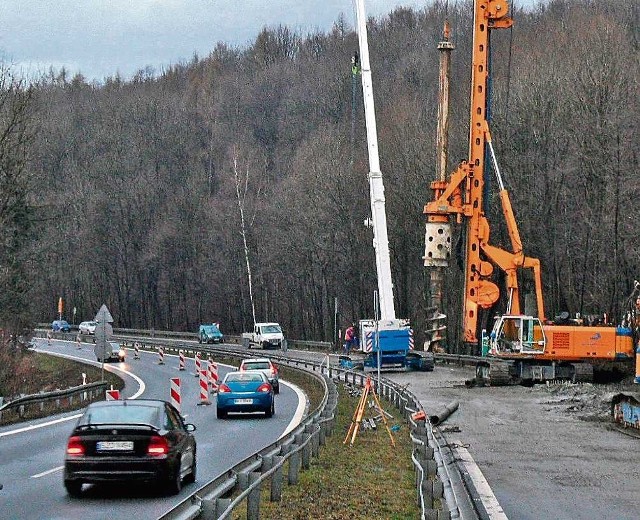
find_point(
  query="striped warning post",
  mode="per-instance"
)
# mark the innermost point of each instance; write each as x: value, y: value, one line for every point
x: 48, y: 338
x: 113, y: 395
x: 136, y: 350
x: 204, y: 387
x: 411, y: 344
x: 160, y: 356
x: 181, y: 362
x: 78, y: 342
x: 368, y: 346
x: 198, y: 364
x: 175, y: 393
x: 213, y: 375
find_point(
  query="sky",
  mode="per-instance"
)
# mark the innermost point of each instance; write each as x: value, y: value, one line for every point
x: 100, y: 38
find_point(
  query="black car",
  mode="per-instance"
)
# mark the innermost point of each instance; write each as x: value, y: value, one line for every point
x: 130, y: 440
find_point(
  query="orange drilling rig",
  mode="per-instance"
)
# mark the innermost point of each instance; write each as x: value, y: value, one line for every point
x: 520, y: 347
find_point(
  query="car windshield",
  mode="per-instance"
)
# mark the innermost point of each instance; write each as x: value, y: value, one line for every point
x: 271, y: 329
x: 210, y: 328
x: 243, y: 377
x: 121, y: 415
x: 256, y: 365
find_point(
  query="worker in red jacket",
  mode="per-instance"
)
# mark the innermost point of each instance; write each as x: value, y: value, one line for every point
x: 350, y: 339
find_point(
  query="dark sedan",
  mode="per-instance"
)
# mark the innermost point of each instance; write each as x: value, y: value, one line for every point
x: 248, y: 391
x: 130, y: 440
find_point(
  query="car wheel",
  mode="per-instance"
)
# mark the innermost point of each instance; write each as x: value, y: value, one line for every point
x: 270, y: 411
x: 221, y: 414
x: 73, y: 487
x: 191, y: 477
x: 174, y: 485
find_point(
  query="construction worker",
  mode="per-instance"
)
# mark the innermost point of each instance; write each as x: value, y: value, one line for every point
x: 350, y: 338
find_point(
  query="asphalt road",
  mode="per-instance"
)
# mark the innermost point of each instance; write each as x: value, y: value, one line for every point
x: 31, y: 459
x: 546, y: 457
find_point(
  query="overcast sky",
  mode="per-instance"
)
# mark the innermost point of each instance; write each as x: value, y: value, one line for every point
x: 101, y: 37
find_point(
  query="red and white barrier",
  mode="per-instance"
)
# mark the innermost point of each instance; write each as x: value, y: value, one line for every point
x: 176, y: 399
x: 198, y: 364
x: 160, y: 356
x: 181, y: 362
x: 213, y: 375
x: 113, y: 395
x: 136, y: 350
x: 204, y: 387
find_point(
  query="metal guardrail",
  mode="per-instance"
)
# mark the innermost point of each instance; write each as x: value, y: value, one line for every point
x: 458, y: 359
x: 158, y: 334
x: 436, y: 485
x: 83, y: 392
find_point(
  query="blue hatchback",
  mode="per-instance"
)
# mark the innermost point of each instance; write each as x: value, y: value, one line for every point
x: 60, y: 326
x: 245, y: 392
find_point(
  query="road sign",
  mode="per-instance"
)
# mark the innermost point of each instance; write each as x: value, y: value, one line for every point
x: 103, y: 332
x: 104, y: 315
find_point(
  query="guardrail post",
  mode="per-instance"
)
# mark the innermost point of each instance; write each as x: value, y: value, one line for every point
x: 306, y: 452
x: 311, y: 429
x: 243, y: 481
x: 276, y: 479
x: 253, y: 500
x: 294, y: 467
x: 221, y: 506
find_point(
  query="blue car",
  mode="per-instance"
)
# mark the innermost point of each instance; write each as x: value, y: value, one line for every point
x: 210, y: 334
x: 60, y: 326
x: 248, y: 391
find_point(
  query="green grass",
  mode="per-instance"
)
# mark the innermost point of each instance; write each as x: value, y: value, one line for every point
x: 370, y: 479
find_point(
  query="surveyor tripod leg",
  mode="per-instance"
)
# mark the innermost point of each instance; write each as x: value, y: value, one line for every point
x: 384, y: 418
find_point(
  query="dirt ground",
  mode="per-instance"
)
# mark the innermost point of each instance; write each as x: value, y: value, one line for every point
x: 548, y: 452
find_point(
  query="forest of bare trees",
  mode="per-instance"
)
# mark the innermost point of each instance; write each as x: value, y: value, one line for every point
x: 131, y: 185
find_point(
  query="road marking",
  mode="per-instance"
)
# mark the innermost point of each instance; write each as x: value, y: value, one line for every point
x: 41, y: 425
x: 44, y: 473
x: 141, y: 389
x: 485, y: 493
x: 302, y: 404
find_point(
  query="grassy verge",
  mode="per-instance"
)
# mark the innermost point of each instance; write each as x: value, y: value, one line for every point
x: 370, y: 479
x: 44, y: 373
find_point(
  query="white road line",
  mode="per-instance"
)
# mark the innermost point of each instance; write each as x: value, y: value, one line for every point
x: 141, y: 389
x: 44, y: 473
x: 485, y: 493
x: 302, y: 404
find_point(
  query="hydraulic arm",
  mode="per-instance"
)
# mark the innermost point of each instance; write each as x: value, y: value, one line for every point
x: 461, y: 198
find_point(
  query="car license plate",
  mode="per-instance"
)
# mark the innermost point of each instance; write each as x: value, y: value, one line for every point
x: 243, y: 401
x: 114, y: 446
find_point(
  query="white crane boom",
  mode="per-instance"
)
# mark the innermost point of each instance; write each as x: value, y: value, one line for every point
x: 376, y: 187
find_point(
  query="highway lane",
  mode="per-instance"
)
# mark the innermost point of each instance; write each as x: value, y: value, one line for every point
x: 31, y: 459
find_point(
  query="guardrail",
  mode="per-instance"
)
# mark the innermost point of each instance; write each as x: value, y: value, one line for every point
x: 458, y: 359
x: 21, y: 405
x: 190, y: 336
x: 243, y: 483
x: 438, y: 481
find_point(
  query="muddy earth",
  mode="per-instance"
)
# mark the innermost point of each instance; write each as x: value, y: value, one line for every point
x: 548, y: 452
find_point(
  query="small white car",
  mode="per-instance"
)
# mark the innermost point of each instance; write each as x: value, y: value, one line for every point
x: 87, y: 327
x: 267, y: 367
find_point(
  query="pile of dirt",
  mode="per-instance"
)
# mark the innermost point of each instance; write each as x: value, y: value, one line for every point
x: 589, y: 402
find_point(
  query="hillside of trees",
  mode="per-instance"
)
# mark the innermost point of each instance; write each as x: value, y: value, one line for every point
x: 128, y: 192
